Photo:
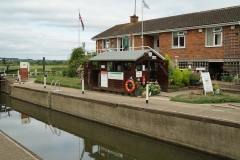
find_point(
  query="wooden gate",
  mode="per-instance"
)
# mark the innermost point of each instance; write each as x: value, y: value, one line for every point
x: 87, y: 74
x: 163, y: 74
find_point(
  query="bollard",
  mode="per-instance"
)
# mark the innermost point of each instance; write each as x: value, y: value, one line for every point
x: 19, y: 79
x: 18, y: 74
x: 147, y: 93
x: 45, y: 77
x: 82, y: 86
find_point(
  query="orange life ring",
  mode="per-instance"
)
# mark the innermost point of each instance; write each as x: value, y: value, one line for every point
x: 127, y: 87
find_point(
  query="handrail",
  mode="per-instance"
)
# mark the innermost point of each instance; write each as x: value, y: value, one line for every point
x: 54, y: 87
x: 54, y: 130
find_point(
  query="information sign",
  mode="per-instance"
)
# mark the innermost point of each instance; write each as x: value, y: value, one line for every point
x: 207, y: 83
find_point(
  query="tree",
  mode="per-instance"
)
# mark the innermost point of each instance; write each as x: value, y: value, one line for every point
x: 177, y: 77
x: 76, y: 59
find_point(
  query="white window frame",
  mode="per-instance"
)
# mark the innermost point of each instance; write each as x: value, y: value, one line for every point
x: 216, y: 31
x: 105, y: 43
x: 180, y: 34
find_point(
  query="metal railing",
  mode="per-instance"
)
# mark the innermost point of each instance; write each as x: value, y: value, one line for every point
x: 54, y: 86
x: 99, y: 51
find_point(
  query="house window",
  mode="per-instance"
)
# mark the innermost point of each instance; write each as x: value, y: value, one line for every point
x: 145, y: 64
x: 109, y: 66
x: 214, y: 37
x: 127, y: 66
x: 138, y: 66
x: 118, y: 66
x: 105, y: 43
x: 178, y: 39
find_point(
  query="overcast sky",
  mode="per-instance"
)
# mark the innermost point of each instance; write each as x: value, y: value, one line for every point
x: 49, y: 28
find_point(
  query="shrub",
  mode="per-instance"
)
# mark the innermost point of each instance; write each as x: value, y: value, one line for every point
x: 177, y: 76
x: 64, y: 73
x: 186, y: 77
x: 154, y: 88
x: 194, y: 76
x: 170, y: 67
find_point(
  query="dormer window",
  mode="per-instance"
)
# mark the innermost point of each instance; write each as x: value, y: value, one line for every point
x: 214, y: 37
x: 178, y: 40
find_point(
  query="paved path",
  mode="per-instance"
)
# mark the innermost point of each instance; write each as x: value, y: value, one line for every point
x: 11, y: 150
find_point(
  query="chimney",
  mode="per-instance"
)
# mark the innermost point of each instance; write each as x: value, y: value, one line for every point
x: 133, y: 19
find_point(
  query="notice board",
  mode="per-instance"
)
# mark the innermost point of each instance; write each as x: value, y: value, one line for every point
x: 207, y: 83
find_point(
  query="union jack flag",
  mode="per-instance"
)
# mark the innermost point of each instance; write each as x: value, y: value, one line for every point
x: 80, y: 18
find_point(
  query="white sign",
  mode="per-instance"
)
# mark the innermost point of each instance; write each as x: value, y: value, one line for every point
x: 115, y: 75
x: 102, y: 66
x: 23, y: 64
x: 154, y: 57
x: 200, y: 69
x: 104, y: 79
x: 139, y: 74
x: 207, y: 83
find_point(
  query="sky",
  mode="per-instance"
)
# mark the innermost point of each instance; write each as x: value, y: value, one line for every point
x: 33, y: 29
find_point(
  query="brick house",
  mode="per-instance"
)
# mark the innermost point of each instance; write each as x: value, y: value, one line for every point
x: 208, y: 40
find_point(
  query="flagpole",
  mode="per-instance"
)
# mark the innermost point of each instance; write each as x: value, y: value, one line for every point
x: 142, y: 24
x: 78, y: 28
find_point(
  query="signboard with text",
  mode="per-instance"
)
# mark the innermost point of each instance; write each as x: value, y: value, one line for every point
x: 207, y: 83
x: 104, y: 79
x: 115, y: 75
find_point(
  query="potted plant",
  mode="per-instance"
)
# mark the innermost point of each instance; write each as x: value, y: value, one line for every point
x: 194, y: 78
x: 217, y: 88
x: 237, y: 79
x: 139, y: 88
x: 144, y: 94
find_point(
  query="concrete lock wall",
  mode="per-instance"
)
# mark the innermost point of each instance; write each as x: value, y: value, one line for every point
x: 199, y: 134
x: 33, y: 96
x: 208, y: 135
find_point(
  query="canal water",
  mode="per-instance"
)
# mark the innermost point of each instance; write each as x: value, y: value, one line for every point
x: 54, y: 135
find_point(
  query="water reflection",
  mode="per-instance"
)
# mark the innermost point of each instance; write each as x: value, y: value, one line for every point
x: 54, y: 135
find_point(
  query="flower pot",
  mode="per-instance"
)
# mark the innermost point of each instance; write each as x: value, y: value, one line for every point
x: 194, y: 82
x: 217, y: 91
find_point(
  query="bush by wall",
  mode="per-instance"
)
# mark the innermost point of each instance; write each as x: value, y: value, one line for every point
x: 177, y: 76
x: 186, y: 77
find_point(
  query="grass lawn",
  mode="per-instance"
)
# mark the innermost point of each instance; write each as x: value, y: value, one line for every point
x: 199, y: 98
x: 64, y: 81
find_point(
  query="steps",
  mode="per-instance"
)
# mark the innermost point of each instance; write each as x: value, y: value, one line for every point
x: 228, y: 87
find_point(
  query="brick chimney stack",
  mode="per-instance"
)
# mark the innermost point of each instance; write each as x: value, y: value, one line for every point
x: 133, y: 19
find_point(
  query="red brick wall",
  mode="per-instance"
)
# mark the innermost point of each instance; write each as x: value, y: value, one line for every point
x: 148, y: 41
x: 194, y: 46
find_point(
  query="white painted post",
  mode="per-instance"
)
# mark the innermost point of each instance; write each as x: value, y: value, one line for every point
x: 19, y: 79
x: 147, y: 93
x: 82, y: 86
x: 18, y: 74
x: 45, y: 77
